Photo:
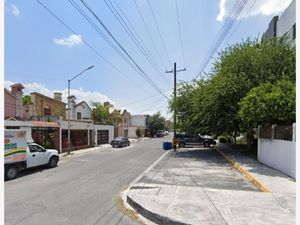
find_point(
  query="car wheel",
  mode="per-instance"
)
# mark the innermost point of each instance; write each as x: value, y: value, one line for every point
x: 11, y: 172
x: 52, y: 162
x: 181, y: 145
x: 206, y: 145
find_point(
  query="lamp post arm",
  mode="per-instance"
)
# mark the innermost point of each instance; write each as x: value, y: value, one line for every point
x: 81, y: 72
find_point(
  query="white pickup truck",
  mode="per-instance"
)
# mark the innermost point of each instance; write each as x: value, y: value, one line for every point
x: 18, y: 154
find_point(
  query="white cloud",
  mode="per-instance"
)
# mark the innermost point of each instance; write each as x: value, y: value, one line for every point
x: 222, y: 10
x: 261, y: 7
x: 80, y: 94
x: 70, y: 41
x: 13, y: 9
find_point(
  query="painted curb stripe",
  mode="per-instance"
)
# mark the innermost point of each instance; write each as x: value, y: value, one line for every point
x: 247, y: 174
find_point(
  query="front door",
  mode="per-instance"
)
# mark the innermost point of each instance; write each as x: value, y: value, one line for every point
x: 36, y: 156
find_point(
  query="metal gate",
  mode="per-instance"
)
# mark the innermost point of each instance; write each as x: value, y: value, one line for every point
x: 102, y: 137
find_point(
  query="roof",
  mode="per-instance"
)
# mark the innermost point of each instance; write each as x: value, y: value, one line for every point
x: 81, y: 103
x: 8, y: 92
x: 44, y: 96
x: 18, y: 85
x: 44, y: 124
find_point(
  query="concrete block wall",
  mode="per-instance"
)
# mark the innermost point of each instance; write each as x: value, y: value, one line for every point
x: 278, y: 154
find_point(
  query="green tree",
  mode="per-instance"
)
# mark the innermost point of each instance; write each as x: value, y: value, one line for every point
x: 138, y: 132
x: 26, y: 99
x: 101, y: 112
x: 269, y: 104
x: 212, y: 106
x: 156, y: 122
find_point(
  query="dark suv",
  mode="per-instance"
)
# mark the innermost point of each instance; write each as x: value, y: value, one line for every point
x: 195, y: 140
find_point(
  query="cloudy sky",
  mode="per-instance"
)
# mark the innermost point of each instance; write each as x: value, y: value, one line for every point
x: 43, y: 54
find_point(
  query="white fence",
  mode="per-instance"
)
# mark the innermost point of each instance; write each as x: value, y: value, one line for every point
x: 278, y: 154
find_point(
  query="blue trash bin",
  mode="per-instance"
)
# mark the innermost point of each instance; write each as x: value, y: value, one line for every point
x: 167, y: 145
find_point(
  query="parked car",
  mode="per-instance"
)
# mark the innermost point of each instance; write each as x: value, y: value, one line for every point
x: 195, y: 140
x: 120, y: 142
x: 19, y: 154
x: 160, y: 133
x: 166, y: 133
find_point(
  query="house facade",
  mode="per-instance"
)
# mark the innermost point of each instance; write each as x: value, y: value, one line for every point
x: 46, y: 108
x: 9, y: 104
x: 283, y: 25
x: 137, y: 122
x: 83, y: 111
x: 44, y: 121
x: 125, y: 124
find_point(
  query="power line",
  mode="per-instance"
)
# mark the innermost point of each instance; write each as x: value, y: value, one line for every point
x: 142, y: 73
x: 143, y: 99
x: 237, y: 9
x: 154, y: 104
x: 86, y: 43
x: 133, y: 29
x: 148, y: 31
x: 180, y: 34
x: 132, y: 36
x: 159, y: 33
x: 237, y: 26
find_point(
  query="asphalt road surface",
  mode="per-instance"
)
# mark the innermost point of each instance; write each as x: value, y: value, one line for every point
x: 81, y: 190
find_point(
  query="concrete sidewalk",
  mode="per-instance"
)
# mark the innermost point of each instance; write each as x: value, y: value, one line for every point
x: 198, y: 186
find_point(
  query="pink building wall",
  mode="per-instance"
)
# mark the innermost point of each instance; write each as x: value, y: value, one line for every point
x: 9, y: 104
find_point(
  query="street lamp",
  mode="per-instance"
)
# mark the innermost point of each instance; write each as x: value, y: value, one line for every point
x: 69, y: 110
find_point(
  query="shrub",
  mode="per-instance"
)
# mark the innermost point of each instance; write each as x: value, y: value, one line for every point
x: 222, y: 139
x: 138, y: 132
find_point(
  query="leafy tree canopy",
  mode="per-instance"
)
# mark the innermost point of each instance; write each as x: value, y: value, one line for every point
x: 156, y: 122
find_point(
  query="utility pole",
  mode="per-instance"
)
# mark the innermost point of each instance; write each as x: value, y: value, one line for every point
x: 174, y: 71
x: 69, y: 108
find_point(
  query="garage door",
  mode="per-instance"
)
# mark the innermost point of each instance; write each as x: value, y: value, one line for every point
x: 102, y: 137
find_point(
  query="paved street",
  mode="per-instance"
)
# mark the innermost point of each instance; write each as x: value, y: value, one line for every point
x: 81, y: 190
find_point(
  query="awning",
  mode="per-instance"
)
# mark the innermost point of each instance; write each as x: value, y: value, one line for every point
x: 44, y: 124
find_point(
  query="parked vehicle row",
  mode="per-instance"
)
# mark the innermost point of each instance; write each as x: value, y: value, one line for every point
x: 185, y: 140
x: 162, y: 133
x: 19, y: 154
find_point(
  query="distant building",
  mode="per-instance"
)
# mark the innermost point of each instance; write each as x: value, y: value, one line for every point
x: 137, y: 122
x: 125, y: 123
x: 283, y: 25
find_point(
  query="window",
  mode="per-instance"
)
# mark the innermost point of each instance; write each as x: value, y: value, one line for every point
x: 47, y: 111
x: 79, y: 115
x: 294, y: 31
x: 35, y: 148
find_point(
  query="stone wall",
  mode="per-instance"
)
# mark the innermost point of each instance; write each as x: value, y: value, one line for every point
x: 57, y: 107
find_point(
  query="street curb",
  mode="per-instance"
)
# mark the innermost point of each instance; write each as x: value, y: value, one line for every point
x: 247, y: 174
x: 154, y: 217
x: 131, y: 203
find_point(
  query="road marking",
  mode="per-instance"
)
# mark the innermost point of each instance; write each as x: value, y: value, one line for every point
x: 247, y: 174
x: 148, y: 169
